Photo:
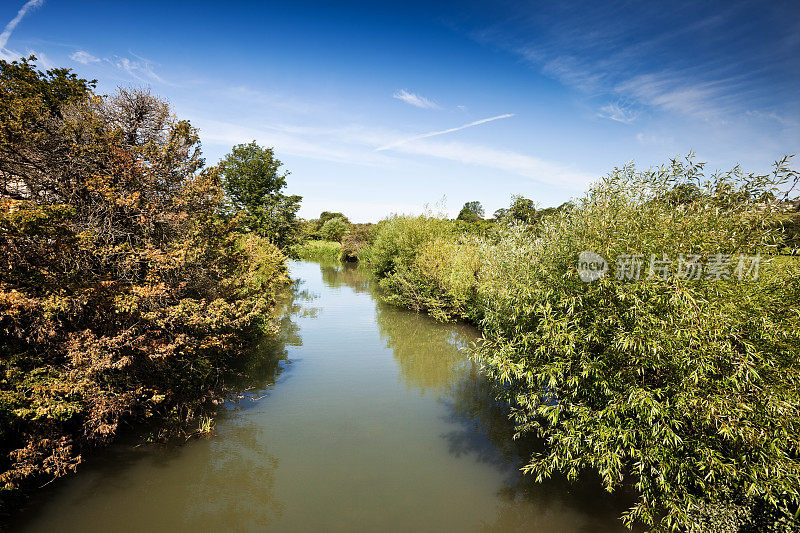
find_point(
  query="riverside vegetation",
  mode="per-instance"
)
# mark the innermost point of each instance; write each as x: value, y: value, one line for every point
x: 135, y: 279
x: 686, y: 390
x: 132, y: 276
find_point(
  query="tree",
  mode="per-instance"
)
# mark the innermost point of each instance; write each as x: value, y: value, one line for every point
x: 327, y: 215
x: 123, y: 293
x: 253, y: 182
x: 471, y: 212
x: 522, y: 209
x: 334, y: 229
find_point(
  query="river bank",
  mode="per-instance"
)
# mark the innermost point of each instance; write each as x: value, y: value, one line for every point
x: 359, y: 416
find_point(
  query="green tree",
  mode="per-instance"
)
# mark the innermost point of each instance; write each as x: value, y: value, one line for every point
x: 522, y: 209
x: 334, y: 229
x: 253, y: 182
x: 327, y: 215
x: 471, y: 212
x: 682, y: 388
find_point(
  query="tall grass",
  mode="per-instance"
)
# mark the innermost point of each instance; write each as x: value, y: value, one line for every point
x: 318, y: 250
x: 688, y: 390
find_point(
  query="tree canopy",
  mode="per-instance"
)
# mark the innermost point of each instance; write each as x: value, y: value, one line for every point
x: 254, y: 184
x: 123, y: 293
x: 471, y: 212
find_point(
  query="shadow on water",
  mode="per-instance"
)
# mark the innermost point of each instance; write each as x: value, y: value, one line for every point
x: 259, y: 373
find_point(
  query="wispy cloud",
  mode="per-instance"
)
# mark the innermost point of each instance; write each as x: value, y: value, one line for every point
x: 139, y: 68
x: 442, y: 132
x: 505, y: 160
x: 27, y: 6
x: 415, y: 99
x: 81, y: 56
x: 773, y: 116
x: 618, y: 113
x: 5, y: 53
x: 654, y: 140
x: 672, y: 92
x: 354, y: 144
x: 687, y: 64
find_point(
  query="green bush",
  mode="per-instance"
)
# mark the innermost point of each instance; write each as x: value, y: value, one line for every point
x: 688, y: 390
x: 354, y: 243
x: 334, y: 229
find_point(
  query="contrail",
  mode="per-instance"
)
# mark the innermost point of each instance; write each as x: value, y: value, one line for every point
x: 13, y: 24
x: 451, y: 130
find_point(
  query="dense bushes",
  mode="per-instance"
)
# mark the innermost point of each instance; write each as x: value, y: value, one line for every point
x: 123, y: 293
x: 688, y: 389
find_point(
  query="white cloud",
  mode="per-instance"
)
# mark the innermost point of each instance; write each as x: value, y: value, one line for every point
x: 672, y: 92
x: 505, y: 160
x: 571, y: 72
x: 30, y: 4
x: 139, y: 68
x: 415, y: 100
x: 337, y: 145
x: 442, y: 132
x: 81, y: 56
x: 773, y: 116
x: 618, y: 113
x: 41, y: 58
x: 355, y: 145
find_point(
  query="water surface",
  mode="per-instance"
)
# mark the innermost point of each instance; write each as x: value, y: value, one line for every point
x: 359, y: 417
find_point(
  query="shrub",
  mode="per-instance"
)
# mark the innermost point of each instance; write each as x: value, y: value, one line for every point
x: 334, y: 229
x: 355, y: 242
x: 687, y: 389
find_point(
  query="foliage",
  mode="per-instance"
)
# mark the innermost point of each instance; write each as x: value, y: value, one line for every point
x: 471, y: 212
x: 789, y: 225
x: 328, y: 215
x: 318, y: 251
x: 253, y: 183
x: 688, y: 390
x: 521, y: 210
x: 123, y: 294
x: 334, y: 229
x: 356, y: 241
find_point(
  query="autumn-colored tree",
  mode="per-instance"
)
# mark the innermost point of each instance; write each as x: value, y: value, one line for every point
x: 122, y: 292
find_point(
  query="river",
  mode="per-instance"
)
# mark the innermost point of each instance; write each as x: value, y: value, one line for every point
x: 359, y: 416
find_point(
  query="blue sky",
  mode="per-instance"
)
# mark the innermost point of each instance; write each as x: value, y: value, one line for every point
x: 386, y: 107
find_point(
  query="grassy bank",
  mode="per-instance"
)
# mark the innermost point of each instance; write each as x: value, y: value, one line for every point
x: 127, y: 290
x: 313, y: 250
x: 686, y: 389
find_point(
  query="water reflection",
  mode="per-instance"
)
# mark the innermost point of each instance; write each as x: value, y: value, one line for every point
x: 347, y: 275
x: 431, y: 357
x: 359, y: 416
x: 183, y: 486
x: 243, y: 463
x: 427, y: 352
